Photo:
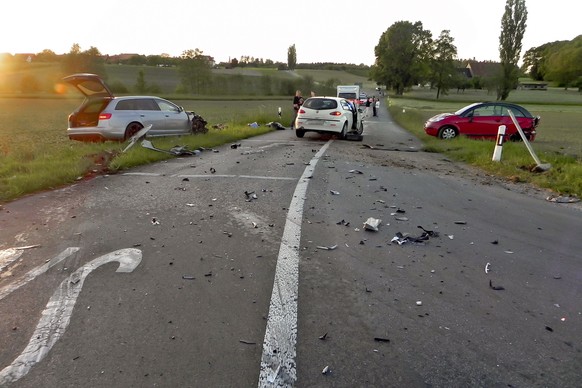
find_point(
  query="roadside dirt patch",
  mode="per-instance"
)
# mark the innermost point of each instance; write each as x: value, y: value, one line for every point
x: 98, y: 164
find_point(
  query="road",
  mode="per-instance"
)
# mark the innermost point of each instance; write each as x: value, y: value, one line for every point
x: 251, y: 266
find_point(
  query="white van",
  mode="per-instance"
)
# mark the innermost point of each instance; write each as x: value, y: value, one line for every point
x: 349, y: 92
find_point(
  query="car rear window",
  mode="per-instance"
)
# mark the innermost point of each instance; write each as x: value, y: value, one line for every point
x: 320, y: 103
x: 137, y: 104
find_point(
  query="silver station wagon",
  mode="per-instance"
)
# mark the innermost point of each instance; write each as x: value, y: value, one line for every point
x: 102, y: 116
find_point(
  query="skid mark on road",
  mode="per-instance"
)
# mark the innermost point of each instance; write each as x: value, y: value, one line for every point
x: 278, y: 366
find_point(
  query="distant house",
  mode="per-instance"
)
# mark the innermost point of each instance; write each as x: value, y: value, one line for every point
x: 483, y: 69
x: 118, y: 58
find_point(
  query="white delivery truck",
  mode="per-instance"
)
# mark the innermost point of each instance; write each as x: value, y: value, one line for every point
x: 349, y: 92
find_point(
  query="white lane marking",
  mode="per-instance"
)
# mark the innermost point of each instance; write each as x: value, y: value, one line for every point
x: 30, y: 275
x: 57, y: 314
x: 278, y: 366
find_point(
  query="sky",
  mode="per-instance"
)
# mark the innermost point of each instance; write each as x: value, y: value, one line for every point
x: 339, y: 31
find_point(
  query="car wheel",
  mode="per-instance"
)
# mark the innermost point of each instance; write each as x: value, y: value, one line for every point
x: 447, y: 133
x: 132, y: 129
x: 299, y: 133
x: 344, y: 131
x: 361, y: 129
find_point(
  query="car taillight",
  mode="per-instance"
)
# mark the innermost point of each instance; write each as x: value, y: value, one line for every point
x: 336, y: 113
x: 301, y: 111
x: 104, y: 116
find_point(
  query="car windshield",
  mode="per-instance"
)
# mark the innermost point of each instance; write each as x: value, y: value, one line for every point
x: 320, y: 103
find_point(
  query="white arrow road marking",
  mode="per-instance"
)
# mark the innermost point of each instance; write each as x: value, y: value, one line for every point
x: 57, y: 314
x: 30, y: 275
x: 278, y: 367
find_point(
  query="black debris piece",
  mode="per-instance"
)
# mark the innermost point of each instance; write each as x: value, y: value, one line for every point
x: 247, y: 342
x: 381, y: 339
x: 549, y: 329
x: 235, y: 146
x: 323, y: 337
x: 496, y: 288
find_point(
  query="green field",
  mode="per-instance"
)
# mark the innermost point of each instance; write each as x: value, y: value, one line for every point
x: 35, y: 153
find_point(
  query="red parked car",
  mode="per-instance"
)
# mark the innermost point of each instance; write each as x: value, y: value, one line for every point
x: 482, y: 120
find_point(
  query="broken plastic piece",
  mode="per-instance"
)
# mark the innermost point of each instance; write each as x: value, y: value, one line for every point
x: 329, y: 248
x: 381, y: 339
x: 325, y: 370
x: 135, y: 138
x: 323, y: 337
x: 188, y: 277
x: 496, y: 288
x: 333, y: 192
x: 372, y: 224
x: 487, y: 267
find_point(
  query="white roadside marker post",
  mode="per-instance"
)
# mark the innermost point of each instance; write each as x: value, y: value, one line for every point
x: 499, y: 143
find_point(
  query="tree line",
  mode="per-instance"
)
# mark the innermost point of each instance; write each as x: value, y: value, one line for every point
x: 407, y: 54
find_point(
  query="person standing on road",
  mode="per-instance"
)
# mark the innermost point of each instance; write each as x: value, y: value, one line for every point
x: 297, y: 102
x: 375, y: 106
x: 368, y: 104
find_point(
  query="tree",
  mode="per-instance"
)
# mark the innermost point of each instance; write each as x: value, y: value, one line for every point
x: 195, y: 70
x: 88, y: 61
x: 443, y: 63
x: 292, y: 57
x: 513, y: 24
x: 402, y: 56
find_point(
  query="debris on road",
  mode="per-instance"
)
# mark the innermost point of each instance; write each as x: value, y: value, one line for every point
x: 563, y: 199
x: 155, y: 221
x: 326, y: 370
x: 372, y: 224
x: 487, y: 266
x: 461, y: 222
x: 419, y: 302
x: 250, y: 195
x: 496, y: 288
x: 235, y: 146
x: 323, y: 337
x: 327, y: 248
x: 343, y: 222
x: 247, y: 342
x: 188, y: 277
x: 176, y: 150
x: 333, y: 192
x: 356, y: 172
x: 276, y: 125
x: 381, y: 339
x: 405, y: 238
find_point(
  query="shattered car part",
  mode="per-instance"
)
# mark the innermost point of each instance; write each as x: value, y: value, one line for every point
x: 329, y: 248
x: 139, y: 135
x: 176, y: 150
x: 275, y: 125
x: 372, y: 224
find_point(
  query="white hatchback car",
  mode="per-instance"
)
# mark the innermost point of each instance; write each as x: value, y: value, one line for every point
x: 329, y: 115
x: 105, y: 117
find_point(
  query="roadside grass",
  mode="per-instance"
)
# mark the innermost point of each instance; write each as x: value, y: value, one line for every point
x: 565, y: 176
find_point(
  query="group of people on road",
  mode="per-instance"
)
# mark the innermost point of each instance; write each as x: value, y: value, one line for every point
x: 375, y: 104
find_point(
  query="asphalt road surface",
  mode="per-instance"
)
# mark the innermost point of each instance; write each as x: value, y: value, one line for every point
x: 259, y: 266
